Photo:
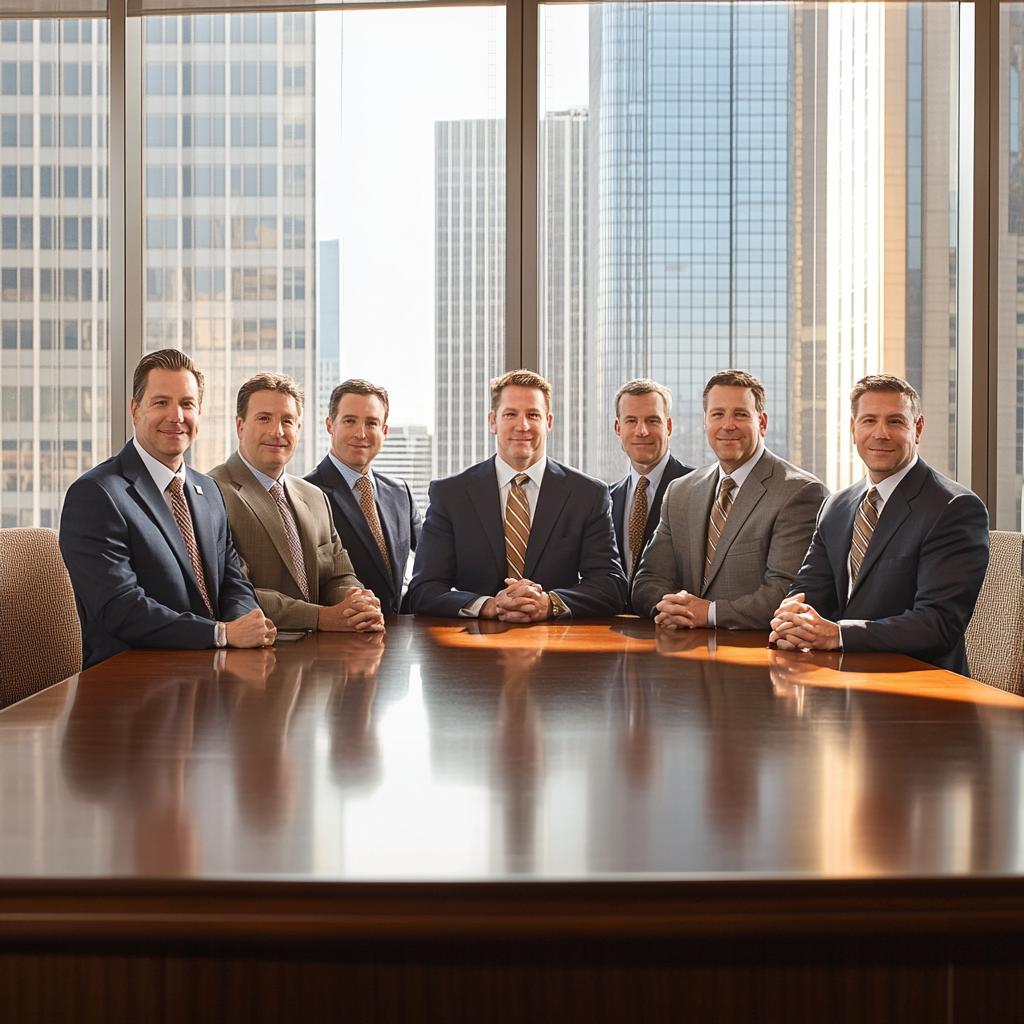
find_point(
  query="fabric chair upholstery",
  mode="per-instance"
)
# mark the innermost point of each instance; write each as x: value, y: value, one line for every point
x: 40, y: 637
x: 995, y: 634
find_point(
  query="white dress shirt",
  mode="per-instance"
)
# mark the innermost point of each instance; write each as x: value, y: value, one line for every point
x: 353, y: 476
x: 654, y: 476
x: 505, y: 475
x: 738, y: 478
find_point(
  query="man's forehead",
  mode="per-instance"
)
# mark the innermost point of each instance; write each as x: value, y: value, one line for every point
x: 884, y: 403
x: 269, y: 401
x: 370, y: 404
x: 517, y: 397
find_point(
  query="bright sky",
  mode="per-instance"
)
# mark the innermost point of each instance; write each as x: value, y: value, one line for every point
x: 383, y: 78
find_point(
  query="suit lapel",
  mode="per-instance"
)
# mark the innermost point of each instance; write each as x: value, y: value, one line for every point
x: 483, y: 493
x: 618, y: 493
x: 554, y: 493
x: 206, y: 536
x: 263, y: 507
x: 700, y: 510
x: 752, y: 491
x: 673, y: 470
x: 387, y: 511
x: 349, y: 505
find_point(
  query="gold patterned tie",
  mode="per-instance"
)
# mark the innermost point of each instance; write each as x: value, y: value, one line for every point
x: 863, y: 527
x: 291, y: 531
x: 183, y: 518
x: 517, y: 526
x: 716, y: 522
x: 638, y: 521
x: 369, y: 507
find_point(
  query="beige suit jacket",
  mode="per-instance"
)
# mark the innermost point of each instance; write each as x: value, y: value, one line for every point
x: 262, y: 545
x: 761, y: 549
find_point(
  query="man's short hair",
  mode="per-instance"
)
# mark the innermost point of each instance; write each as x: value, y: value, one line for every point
x: 885, y: 382
x: 519, y: 379
x: 643, y: 386
x: 164, y: 359
x: 267, y: 382
x: 357, y: 386
x: 736, y: 379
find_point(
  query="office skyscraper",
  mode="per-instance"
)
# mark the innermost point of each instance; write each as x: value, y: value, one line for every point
x: 53, y: 262
x: 229, y: 206
x: 328, y: 344
x: 408, y: 454
x: 469, y: 324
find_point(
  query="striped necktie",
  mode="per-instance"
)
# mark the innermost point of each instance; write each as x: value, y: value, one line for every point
x: 291, y: 531
x: 517, y: 526
x: 716, y: 522
x: 637, y: 521
x: 183, y: 519
x: 369, y: 509
x: 863, y: 527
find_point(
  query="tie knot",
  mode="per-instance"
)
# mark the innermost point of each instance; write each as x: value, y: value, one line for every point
x: 642, y: 484
x: 521, y: 479
x: 872, y: 496
x: 175, y: 485
x: 277, y: 490
x: 363, y: 483
x: 727, y: 484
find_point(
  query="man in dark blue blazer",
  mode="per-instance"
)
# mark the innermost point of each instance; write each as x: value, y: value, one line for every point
x: 643, y: 424
x: 358, y: 425
x: 897, y: 560
x: 146, y: 539
x: 519, y: 537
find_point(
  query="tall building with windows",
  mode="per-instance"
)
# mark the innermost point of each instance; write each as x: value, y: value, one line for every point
x: 229, y: 206
x: 469, y: 270
x: 328, y: 347
x: 53, y: 261
x: 408, y: 454
x: 562, y: 262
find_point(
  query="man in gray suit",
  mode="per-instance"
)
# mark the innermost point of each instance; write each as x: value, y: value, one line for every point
x: 732, y: 535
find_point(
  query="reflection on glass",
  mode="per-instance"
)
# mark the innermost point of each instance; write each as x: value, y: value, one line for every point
x: 54, y: 111
x: 745, y: 185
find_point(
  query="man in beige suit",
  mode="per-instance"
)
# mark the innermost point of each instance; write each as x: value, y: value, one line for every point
x: 282, y: 525
x: 732, y: 535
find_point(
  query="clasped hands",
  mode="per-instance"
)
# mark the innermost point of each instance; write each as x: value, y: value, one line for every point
x: 796, y: 626
x: 520, y: 601
x: 358, y: 612
x: 682, y: 611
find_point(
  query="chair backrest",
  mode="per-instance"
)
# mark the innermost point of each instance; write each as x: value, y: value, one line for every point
x: 995, y: 634
x: 40, y: 637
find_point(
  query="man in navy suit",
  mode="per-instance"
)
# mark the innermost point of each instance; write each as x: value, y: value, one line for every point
x: 375, y: 515
x: 146, y: 539
x: 643, y: 424
x: 897, y: 560
x: 519, y: 537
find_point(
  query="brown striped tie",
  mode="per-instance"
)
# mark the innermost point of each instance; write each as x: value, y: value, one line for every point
x: 517, y: 526
x: 863, y: 527
x: 183, y: 518
x: 638, y: 521
x: 369, y: 507
x: 716, y: 522
x: 291, y: 531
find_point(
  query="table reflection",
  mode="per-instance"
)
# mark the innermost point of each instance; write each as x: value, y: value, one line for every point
x: 468, y: 750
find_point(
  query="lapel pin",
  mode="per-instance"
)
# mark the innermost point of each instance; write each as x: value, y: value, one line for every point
x: 199, y: 489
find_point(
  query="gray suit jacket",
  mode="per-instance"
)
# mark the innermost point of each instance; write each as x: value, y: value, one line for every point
x: 760, y: 551
x: 262, y: 545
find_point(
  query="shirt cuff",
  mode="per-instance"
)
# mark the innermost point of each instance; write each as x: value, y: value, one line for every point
x: 473, y: 609
x: 220, y: 634
x: 559, y: 609
x: 711, y: 615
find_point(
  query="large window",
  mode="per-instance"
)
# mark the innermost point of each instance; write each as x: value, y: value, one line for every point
x: 54, y: 420
x: 773, y: 187
x: 324, y: 196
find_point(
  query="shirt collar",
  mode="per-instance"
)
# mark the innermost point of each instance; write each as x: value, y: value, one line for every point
x: 886, y: 487
x: 162, y: 476
x: 741, y: 474
x: 506, y: 473
x: 653, y: 475
x: 267, y: 481
x: 352, y: 476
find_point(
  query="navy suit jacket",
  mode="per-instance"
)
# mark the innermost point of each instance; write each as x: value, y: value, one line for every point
x: 571, y: 550
x: 133, y: 583
x: 921, y: 574
x: 674, y: 469
x: 400, y: 523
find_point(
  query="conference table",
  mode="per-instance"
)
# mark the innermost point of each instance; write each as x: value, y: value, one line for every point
x: 465, y: 820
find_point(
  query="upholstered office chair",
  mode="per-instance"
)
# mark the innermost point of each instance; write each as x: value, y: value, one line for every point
x: 40, y: 638
x: 995, y: 634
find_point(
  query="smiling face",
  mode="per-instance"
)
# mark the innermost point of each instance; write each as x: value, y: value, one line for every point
x: 885, y: 432
x: 643, y: 429
x: 521, y: 423
x: 357, y: 431
x: 166, y: 419
x: 733, y: 424
x: 270, y: 431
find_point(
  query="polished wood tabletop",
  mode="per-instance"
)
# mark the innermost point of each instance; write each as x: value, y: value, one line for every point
x: 447, y: 750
